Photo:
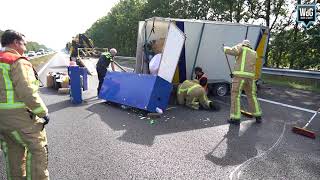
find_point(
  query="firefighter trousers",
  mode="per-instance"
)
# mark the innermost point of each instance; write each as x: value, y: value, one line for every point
x: 24, y: 144
x: 250, y: 89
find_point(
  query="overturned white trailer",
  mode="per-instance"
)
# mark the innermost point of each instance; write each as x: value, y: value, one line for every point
x: 202, y: 47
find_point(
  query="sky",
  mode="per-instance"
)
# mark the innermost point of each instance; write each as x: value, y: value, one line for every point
x: 52, y: 22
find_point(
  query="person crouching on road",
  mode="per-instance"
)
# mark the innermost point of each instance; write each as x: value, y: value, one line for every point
x: 202, y: 78
x: 103, y: 63
x: 192, y: 94
x: 24, y: 140
x: 243, y: 79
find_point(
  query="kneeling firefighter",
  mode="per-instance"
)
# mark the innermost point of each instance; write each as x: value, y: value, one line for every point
x: 193, y: 95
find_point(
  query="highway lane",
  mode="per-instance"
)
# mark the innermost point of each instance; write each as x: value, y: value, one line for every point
x: 100, y: 141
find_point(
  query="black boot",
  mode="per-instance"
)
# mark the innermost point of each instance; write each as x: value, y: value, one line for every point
x: 234, y: 121
x: 258, y: 119
x: 214, y: 107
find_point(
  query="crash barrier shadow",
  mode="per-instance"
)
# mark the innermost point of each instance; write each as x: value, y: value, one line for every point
x: 140, y: 129
x: 239, y: 148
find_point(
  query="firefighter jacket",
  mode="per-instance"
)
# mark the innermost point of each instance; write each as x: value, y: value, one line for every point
x: 18, y: 84
x: 192, y: 95
x: 245, y: 60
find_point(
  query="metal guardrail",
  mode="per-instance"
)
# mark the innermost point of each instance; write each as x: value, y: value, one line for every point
x: 125, y: 58
x: 272, y: 71
x: 292, y: 73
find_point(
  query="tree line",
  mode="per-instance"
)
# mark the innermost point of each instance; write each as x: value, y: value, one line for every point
x: 31, y: 46
x: 291, y: 45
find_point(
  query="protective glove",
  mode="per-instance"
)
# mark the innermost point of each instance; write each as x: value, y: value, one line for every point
x: 214, y: 107
x: 46, y: 119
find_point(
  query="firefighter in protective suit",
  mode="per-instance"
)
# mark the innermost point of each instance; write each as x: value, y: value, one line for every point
x: 24, y: 141
x: 243, y: 79
x: 192, y: 94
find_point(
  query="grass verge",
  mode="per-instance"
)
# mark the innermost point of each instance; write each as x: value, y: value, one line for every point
x: 293, y: 82
x: 36, y: 62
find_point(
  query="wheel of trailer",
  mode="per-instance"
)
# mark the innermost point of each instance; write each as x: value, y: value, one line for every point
x: 220, y: 89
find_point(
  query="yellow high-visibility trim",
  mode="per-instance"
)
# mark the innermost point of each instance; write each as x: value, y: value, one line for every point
x: 192, y: 87
x: 237, y: 114
x: 243, y: 59
x: 38, y: 110
x: 181, y: 90
x: 12, y: 106
x: 19, y: 140
x: 9, y: 88
x: 255, y: 101
x: 195, y: 103
x: 244, y: 74
x: 206, y: 99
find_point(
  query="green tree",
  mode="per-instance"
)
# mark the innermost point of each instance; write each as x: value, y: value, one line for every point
x: 289, y: 44
x: 34, y: 46
x: 119, y: 28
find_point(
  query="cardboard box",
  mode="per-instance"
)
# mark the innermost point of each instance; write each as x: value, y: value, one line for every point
x: 64, y: 90
x: 50, y: 80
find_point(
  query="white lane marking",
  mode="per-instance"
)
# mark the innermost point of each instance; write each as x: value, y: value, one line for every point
x: 287, y: 105
x: 277, y: 103
x: 46, y: 65
x: 247, y: 162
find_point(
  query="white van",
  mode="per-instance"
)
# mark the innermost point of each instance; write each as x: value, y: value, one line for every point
x: 203, y: 47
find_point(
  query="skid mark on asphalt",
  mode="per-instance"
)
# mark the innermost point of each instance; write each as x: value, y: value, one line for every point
x: 235, y: 174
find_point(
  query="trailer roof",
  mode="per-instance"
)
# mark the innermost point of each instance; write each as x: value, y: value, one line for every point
x: 201, y: 21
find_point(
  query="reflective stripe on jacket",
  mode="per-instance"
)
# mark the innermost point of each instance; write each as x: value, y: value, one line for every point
x: 18, y: 84
x: 245, y: 60
x: 187, y: 86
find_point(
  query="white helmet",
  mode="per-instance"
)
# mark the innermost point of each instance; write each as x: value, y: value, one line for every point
x: 113, y: 51
x: 246, y: 42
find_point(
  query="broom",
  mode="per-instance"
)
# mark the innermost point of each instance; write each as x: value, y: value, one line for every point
x: 247, y: 114
x: 303, y: 131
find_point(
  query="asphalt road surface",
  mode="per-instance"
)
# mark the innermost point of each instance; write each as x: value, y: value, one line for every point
x: 95, y: 140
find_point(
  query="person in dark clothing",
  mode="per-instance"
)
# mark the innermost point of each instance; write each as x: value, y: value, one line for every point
x: 103, y: 63
x: 74, y: 50
x: 202, y: 77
